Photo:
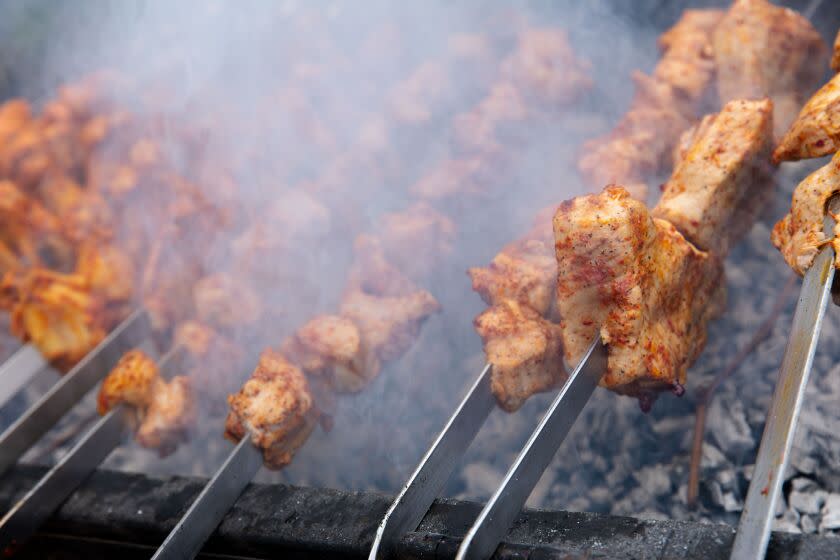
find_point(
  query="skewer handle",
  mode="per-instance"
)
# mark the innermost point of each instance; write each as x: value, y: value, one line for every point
x: 434, y: 469
x: 506, y: 503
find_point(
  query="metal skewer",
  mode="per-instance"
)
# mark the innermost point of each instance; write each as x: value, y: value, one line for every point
x: 412, y: 503
x: 773, y: 454
x: 39, y: 503
x: 210, y: 506
x: 19, y: 370
x: 509, y: 498
x: 49, y: 409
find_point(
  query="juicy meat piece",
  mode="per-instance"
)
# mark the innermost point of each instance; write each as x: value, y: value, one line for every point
x: 331, y: 347
x: 816, y: 131
x: 763, y: 50
x: 163, y: 411
x: 132, y: 382
x: 389, y: 324
x: 713, y: 194
x: 373, y: 273
x: 639, y: 146
x: 109, y: 272
x: 687, y: 64
x: 225, y: 302
x: 275, y: 408
x: 170, y: 415
x: 835, y: 55
x: 799, y: 235
x: 56, y: 312
x: 637, y: 279
x: 524, y: 271
x: 524, y: 350
x: 545, y: 66
x: 417, y: 239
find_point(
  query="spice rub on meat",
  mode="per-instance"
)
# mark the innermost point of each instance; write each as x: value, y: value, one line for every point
x: 800, y: 235
x: 716, y: 189
x: 163, y: 411
x: 636, y: 278
x: 764, y: 50
x: 816, y: 130
x: 275, y: 408
x: 666, y: 102
x: 524, y: 350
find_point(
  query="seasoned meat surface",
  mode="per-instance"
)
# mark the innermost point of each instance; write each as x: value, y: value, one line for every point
x: 799, y: 235
x: 816, y: 130
x: 714, y: 192
x: 524, y: 350
x: 764, y: 50
x: 638, y: 280
x: 275, y: 408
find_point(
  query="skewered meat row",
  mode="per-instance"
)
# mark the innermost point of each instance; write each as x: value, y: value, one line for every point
x: 382, y: 309
x: 647, y: 280
x: 766, y: 50
x: 753, y: 50
x: 664, y: 106
x: 799, y: 235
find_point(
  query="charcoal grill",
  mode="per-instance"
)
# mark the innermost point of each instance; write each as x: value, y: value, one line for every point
x: 109, y: 513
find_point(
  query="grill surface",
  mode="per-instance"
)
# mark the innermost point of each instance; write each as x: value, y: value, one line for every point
x: 129, y: 514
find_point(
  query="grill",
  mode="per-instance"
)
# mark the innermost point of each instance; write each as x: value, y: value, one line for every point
x: 82, y: 515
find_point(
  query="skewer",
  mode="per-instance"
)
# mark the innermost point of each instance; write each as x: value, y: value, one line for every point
x: 412, y: 503
x: 774, y: 452
x: 19, y: 370
x: 50, y: 408
x: 215, y: 500
x: 39, y: 503
x: 507, y: 501
x: 428, y: 479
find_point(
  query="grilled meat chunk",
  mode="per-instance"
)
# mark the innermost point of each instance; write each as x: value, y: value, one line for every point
x: 524, y: 350
x: 132, y: 381
x: 635, y: 280
x: 414, y: 100
x: 417, y: 239
x: 799, y: 235
x: 639, y: 146
x: 223, y: 301
x: 714, y: 193
x: 816, y: 131
x: 162, y: 411
x: 835, y: 55
x: 763, y: 50
x: 482, y: 129
x: 57, y: 312
x: 332, y: 348
x: 389, y: 324
x: 524, y: 271
x: 169, y: 416
x: 275, y: 408
x: 545, y: 67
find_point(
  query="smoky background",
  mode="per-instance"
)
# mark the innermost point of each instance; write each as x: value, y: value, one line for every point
x: 279, y: 90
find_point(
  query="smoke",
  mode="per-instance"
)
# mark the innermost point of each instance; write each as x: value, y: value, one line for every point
x: 276, y: 111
